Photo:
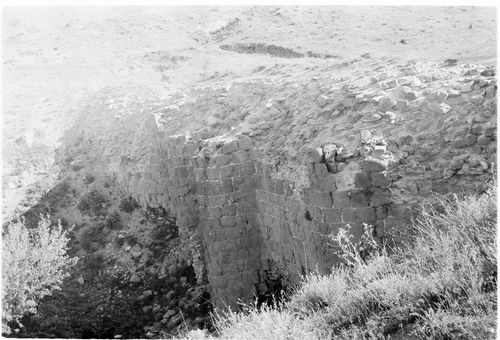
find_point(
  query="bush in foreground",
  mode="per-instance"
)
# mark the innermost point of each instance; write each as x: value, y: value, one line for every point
x: 441, y: 285
x: 34, y: 263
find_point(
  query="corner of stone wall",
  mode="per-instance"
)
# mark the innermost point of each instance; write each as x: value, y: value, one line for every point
x: 226, y: 202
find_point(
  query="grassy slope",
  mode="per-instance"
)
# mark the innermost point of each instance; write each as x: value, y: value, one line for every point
x: 442, y: 286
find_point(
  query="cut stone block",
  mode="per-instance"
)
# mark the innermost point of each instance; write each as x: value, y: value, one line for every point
x: 371, y: 164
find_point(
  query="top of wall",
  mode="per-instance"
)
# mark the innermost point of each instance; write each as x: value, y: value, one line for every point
x: 423, y: 116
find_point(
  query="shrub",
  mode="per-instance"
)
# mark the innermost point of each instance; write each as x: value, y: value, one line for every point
x: 102, y: 308
x: 34, y: 264
x: 59, y: 195
x: 76, y: 167
x: 128, y: 204
x: 114, y: 221
x: 94, y: 203
x: 93, y: 238
x: 93, y: 263
x: 131, y: 240
x: 88, y: 178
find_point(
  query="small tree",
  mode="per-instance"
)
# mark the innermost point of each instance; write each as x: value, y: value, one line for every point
x: 34, y: 263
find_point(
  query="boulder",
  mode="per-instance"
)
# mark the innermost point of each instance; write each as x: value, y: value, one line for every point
x: 372, y: 164
x: 448, y: 173
x: 441, y: 96
x: 230, y: 147
x: 365, y: 136
x: 199, y: 321
x: 170, y: 295
x: 386, y: 104
x: 439, y: 108
x: 450, y: 62
x: 262, y: 288
x: 309, y: 154
x: 380, y: 179
x: 322, y: 100
x: 379, y: 149
x: 470, y: 139
x: 391, y: 116
x: 410, y: 95
x: 330, y: 151
x: 342, y: 156
x: 362, y: 180
x: 488, y: 73
x: 483, y: 140
x: 156, y: 327
x: 477, y: 100
x: 168, y: 314
x: 389, y: 84
x: 172, y: 269
x: 135, y: 278
x: 174, y: 321
x: 467, y: 87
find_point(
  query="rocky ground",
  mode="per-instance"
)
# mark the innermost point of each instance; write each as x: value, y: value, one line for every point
x: 279, y: 75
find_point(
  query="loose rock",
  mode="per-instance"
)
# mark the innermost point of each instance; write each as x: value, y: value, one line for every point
x: 365, y: 136
x: 477, y: 100
x: 371, y: 164
x: 135, y: 278
x: 321, y: 100
x: 330, y: 151
x: 386, y: 104
x: 309, y: 154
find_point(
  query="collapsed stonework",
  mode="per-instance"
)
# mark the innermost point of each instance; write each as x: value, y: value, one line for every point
x: 242, y: 220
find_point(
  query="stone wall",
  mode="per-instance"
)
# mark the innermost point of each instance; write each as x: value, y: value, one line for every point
x: 241, y: 221
x: 226, y: 198
x: 245, y: 222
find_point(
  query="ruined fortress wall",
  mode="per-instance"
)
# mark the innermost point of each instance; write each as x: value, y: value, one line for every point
x: 244, y: 224
x: 295, y: 228
x: 213, y: 200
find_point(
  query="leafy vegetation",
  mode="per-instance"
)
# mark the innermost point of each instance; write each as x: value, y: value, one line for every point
x: 94, y: 203
x: 110, y: 305
x: 113, y: 221
x: 90, y: 311
x: 77, y: 167
x: 34, y: 264
x: 131, y: 240
x: 128, y: 204
x: 442, y: 285
x: 60, y: 196
x: 93, y: 238
x: 88, y: 179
